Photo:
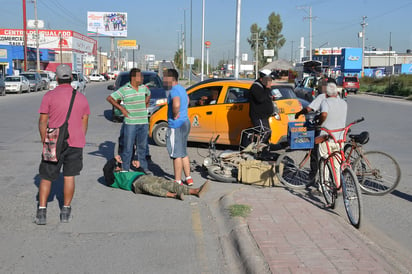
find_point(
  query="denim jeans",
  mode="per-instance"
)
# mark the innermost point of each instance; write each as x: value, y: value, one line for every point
x: 134, y: 134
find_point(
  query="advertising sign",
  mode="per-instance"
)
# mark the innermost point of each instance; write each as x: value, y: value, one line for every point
x: 269, y: 53
x: 352, y: 59
x: 328, y: 51
x: 50, y: 39
x: 127, y: 44
x: 112, y: 24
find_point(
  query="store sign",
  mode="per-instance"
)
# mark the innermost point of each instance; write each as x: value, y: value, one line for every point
x: 3, y: 53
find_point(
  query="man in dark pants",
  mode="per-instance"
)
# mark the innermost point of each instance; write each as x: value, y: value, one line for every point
x: 261, y: 104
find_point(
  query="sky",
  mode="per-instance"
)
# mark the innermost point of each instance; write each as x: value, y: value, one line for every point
x: 157, y: 24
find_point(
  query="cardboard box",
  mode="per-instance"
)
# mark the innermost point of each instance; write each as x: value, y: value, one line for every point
x: 256, y: 172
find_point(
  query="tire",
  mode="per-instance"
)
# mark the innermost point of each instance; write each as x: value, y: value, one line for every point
x: 21, y: 90
x: 327, y: 183
x: 159, y: 134
x: 217, y: 173
x: 352, y: 199
x: 378, y: 173
x: 293, y: 168
x: 354, y: 155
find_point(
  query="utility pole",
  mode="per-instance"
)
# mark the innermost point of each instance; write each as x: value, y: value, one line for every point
x: 310, y: 28
x: 291, y: 54
x: 237, y: 44
x: 25, y: 35
x: 257, y: 54
x: 203, y: 41
x: 363, y: 24
x: 191, y: 36
x: 36, y: 24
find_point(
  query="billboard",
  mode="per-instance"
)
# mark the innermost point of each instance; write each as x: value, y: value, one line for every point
x: 112, y: 24
x: 351, y: 59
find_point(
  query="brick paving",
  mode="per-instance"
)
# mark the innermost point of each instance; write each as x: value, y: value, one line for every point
x: 296, y: 235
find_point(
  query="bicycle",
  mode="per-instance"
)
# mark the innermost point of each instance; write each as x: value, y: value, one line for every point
x: 378, y: 172
x: 293, y: 170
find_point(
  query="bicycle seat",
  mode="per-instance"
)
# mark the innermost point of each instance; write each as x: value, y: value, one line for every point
x: 361, y: 138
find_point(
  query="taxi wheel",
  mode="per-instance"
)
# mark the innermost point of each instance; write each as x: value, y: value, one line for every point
x: 159, y: 134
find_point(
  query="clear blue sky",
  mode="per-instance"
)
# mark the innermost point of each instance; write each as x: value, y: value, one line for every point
x: 155, y: 24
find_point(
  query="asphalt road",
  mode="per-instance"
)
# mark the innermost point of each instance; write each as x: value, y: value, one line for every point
x: 112, y: 231
x: 117, y: 231
x: 388, y: 220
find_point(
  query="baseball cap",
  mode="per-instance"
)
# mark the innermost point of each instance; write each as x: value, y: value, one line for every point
x: 63, y: 72
x: 264, y: 72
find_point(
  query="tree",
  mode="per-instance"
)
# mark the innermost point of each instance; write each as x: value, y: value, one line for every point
x: 271, y: 38
x: 178, y: 60
x: 274, y: 38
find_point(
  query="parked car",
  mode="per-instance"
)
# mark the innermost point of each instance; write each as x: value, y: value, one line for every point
x: 36, y: 83
x: 350, y: 84
x: 78, y: 82
x: 228, y: 116
x: 158, y: 94
x: 17, y: 84
x: 307, y: 89
x: 46, y: 80
x: 97, y: 77
x: 112, y: 75
x: 2, y: 86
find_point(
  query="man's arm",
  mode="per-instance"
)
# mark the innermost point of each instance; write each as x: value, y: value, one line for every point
x: 114, y: 102
x: 303, y: 111
x: 258, y: 93
x: 322, y: 117
x: 176, y: 107
x: 43, y: 119
x: 85, y: 123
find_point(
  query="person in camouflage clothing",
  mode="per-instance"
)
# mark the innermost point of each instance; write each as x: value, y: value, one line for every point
x: 140, y: 183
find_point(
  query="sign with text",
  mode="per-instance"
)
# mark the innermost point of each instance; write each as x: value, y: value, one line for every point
x: 112, y: 24
x: 269, y: 53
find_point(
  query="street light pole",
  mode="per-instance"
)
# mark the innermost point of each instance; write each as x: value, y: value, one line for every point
x: 36, y: 24
x: 363, y: 24
x: 25, y: 35
x: 203, y: 41
x: 237, y: 45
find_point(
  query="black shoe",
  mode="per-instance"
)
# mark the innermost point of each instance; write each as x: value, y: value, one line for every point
x: 65, y: 214
x: 148, y: 158
x: 41, y: 216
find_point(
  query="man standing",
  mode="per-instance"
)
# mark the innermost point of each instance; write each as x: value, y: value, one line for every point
x: 53, y: 110
x: 261, y: 105
x: 179, y: 126
x: 135, y: 97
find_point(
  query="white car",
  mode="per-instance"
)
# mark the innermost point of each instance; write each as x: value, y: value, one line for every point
x: 96, y: 77
x: 78, y: 82
x: 17, y: 84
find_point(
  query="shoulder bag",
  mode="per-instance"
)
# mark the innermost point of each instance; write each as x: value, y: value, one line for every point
x: 55, y: 142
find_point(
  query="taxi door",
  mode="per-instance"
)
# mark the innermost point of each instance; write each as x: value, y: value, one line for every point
x: 202, y: 111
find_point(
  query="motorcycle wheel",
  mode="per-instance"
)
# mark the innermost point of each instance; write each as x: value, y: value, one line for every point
x: 216, y: 173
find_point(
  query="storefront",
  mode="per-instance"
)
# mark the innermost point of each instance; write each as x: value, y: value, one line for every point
x: 56, y: 47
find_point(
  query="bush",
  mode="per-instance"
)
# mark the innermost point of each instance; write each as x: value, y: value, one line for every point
x: 400, y: 85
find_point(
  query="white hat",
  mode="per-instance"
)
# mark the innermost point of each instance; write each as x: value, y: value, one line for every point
x: 265, y: 72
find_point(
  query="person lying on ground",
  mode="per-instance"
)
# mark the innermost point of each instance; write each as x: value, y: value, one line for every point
x: 140, y: 183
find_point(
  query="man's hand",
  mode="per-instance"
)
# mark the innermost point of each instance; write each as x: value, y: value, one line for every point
x: 297, y: 115
x: 124, y: 112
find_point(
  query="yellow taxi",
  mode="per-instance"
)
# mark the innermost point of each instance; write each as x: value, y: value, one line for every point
x: 221, y: 107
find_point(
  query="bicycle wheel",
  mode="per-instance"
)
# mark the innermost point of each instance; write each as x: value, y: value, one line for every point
x: 221, y: 175
x: 327, y: 182
x: 351, y: 196
x: 293, y: 168
x: 378, y: 173
x: 354, y: 154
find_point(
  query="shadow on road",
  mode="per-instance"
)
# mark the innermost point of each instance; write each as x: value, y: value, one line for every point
x: 402, y: 195
x: 55, y: 192
x: 105, y: 150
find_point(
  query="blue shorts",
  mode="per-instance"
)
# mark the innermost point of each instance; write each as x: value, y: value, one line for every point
x: 176, y: 140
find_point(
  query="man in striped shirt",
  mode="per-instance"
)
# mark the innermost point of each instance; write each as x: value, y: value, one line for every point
x: 135, y: 97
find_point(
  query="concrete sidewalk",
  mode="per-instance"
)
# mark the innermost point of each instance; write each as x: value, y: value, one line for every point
x: 295, y: 234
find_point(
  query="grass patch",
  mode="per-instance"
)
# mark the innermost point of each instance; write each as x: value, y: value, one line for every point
x: 239, y: 210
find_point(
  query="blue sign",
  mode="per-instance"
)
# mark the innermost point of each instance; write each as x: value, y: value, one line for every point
x: 351, y: 59
x: 406, y: 69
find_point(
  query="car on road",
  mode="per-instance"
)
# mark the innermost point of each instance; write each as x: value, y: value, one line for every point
x: 229, y: 115
x: 2, y: 86
x: 46, y: 80
x: 307, y: 89
x: 350, y: 84
x: 36, y: 83
x: 78, y: 82
x: 17, y: 84
x: 95, y: 77
x: 112, y: 75
x: 158, y: 94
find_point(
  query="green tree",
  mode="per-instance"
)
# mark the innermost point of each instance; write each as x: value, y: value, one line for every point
x: 271, y: 38
x: 178, y: 60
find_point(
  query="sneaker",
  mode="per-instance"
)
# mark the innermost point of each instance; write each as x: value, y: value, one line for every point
x: 181, y: 183
x: 65, y: 214
x: 189, y: 182
x: 41, y: 216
